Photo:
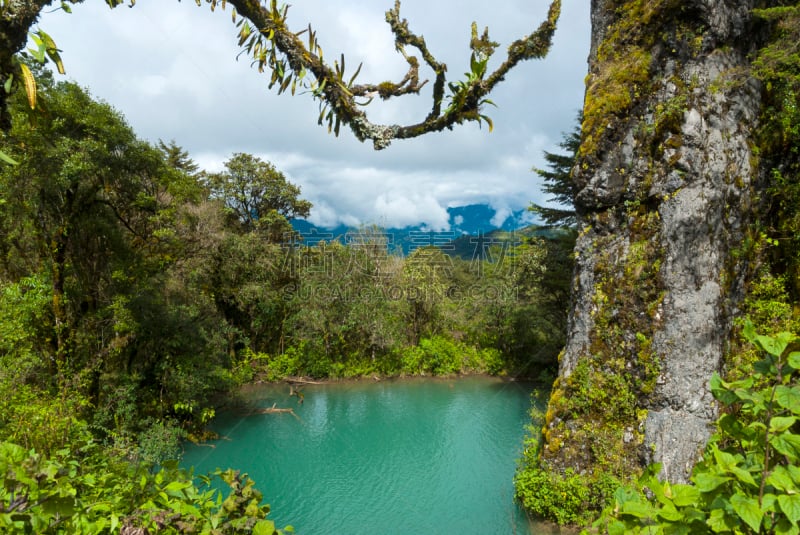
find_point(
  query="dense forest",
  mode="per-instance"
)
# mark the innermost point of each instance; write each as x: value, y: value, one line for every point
x: 139, y: 291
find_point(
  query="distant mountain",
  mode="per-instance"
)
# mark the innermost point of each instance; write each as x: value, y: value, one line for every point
x: 465, y: 221
x: 477, y: 218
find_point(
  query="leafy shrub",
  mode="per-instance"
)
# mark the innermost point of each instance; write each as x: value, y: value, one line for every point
x: 748, y: 480
x: 490, y: 360
x: 85, y: 490
x: 284, y: 365
x: 161, y: 441
x: 561, y: 498
x: 32, y: 418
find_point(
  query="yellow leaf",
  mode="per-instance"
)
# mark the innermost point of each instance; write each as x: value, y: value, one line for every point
x: 30, y: 84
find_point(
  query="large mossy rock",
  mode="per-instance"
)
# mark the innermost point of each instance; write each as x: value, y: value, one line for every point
x: 668, y: 176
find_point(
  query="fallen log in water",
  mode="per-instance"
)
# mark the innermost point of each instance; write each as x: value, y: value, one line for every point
x: 298, y: 381
x: 272, y: 410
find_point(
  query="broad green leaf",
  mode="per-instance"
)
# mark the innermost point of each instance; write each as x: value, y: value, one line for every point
x: 787, y: 444
x: 781, y: 479
x: 756, y: 398
x: 734, y: 428
x: 175, y: 488
x: 264, y: 527
x: 709, y: 482
x: 679, y: 529
x: 719, y: 522
x: 727, y: 393
x: 794, y: 360
x: 669, y: 513
x: 638, y: 509
x: 724, y: 459
x: 748, y: 510
x: 784, y: 527
x: 790, y: 505
x: 743, y: 475
x: 768, y: 503
x: 616, y: 528
x: 693, y: 514
x: 774, y: 345
x: 781, y: 423
x: 684, y: 495
x: 794, y: 472
x: 766, y: 366
x: 624, y: 495
x: 788, y: 398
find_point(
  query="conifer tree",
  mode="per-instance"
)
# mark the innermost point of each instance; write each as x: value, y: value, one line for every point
x: 558, y: 182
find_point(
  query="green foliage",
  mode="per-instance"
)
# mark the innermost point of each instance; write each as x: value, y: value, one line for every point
x: 286, y: 364
x: 258, y: 196
x: 568, y: 498
x: 134, y: 288
x: 777, y: 66
x: 748, y: 480
x: 563, y: 499
x: 34, y: 418
x: 161, y: 441
x: 85, y: 490
x: 442, y: 356
x: 558, y: 182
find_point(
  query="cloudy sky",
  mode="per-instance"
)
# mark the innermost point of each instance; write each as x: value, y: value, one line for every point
x: 171, y: 69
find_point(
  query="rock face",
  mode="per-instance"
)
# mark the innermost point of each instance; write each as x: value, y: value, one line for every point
x: 667, y: 176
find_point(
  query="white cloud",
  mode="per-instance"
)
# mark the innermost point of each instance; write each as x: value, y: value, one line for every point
x: 170, y: 68
x: 500, y: 215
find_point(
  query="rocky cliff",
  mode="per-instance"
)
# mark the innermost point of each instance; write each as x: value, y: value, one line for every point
x: 667, y: 175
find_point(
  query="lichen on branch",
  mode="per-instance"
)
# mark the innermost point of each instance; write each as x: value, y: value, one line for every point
x: 295, y: 60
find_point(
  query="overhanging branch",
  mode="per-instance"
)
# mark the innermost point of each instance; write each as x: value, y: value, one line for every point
x: 295, y: 60
x: 265, y: 36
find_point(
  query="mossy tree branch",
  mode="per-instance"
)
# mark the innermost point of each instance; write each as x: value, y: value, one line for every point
x: 265, y: 36
x: 295, y: 60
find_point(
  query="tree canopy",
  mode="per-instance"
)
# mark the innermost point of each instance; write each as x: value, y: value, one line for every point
x: 255, y: 193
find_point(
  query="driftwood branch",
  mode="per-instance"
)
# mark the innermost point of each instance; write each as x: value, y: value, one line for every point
x: 272, y: 410
x: 298, y: 381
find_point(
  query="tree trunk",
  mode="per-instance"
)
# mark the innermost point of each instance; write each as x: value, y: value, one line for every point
x: 60, y: 320
x: 666, y: 173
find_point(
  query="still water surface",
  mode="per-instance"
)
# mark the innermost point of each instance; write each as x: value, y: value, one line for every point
x: 386, y: 458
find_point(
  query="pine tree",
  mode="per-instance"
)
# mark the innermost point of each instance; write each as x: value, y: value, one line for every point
x: 558, y: 182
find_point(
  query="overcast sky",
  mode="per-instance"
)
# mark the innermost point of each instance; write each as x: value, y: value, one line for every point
x: 170, y: 68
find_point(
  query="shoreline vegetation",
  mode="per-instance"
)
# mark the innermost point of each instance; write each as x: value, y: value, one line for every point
x: 234, y: 400
x: 137, y: 290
